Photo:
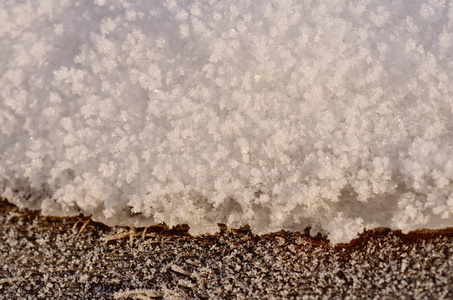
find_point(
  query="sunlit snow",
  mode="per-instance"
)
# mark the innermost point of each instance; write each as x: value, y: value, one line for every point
x: 277, y: 114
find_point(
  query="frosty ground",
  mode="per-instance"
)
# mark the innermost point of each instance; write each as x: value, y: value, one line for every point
x: 75, y: 258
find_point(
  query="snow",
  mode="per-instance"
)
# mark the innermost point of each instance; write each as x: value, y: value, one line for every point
x: 276, y: 114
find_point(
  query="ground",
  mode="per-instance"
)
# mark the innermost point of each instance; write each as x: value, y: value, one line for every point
x: 75, y: 258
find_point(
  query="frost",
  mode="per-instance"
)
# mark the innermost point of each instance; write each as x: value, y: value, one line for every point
x: 330, y: 114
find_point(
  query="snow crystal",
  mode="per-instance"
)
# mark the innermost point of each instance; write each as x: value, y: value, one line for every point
x: 277, y: 114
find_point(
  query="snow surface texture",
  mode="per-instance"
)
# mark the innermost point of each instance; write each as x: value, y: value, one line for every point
x: 277, y: 114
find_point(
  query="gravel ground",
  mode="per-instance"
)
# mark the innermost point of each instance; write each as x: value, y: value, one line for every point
x: 75, y: 258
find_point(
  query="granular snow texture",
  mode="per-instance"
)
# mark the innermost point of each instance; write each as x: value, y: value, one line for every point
x: 276, y: 114
x: 45, y: 258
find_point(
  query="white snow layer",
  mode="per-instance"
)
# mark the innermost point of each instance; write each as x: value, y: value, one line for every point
x: 277, y: 114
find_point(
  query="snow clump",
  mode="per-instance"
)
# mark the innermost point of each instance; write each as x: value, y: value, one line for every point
x: 278, y: 114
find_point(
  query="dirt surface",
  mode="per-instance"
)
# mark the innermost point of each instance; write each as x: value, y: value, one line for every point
x: 75, y: 258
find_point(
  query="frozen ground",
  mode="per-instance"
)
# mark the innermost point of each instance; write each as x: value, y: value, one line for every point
x: 276, y: 114
x: 48, y: 258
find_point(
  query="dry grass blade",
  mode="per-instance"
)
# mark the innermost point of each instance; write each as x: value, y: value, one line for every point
x: 122, y: 234
x: 139, y: 294
x: 9, y: 280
